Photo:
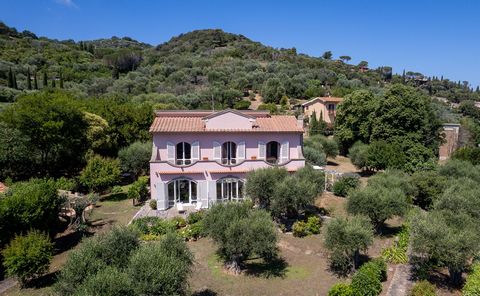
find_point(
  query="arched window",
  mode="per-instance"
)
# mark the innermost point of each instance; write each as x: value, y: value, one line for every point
x: 183, y: 154
x: 273, y: 152
x: 182, y: 191
x: 229, y: 153
x: 230, y: 188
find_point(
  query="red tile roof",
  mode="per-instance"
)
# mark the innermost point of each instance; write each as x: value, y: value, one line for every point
x: 192, y: 121
x: 323, y: 100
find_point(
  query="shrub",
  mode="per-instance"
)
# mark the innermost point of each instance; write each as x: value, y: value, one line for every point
x: 192, y: 231
x: 195, y: 217
x: 161, y: 268
x: 116, y: 189
x: 66, y: 184
x: 100, y: 173
x: 366, y: 281
x: 242, y: 105
x: 313, y: 225
x: 149, y: 237
x: 382, y: 267
x: 163, y: 227
x: 144, y: 224
x: 471, y: 154
x: 179, y: 221
x: 424, y: 288
x: 27, y: 257
x: 106, y: 282
x: 340, y: 289
x: 397, y: 253
x: 153, y: 204
x: 300, y: 229
x: 472, y: 284
x: 138, y: 191
x: 314, y: 156
x: 345, y: 184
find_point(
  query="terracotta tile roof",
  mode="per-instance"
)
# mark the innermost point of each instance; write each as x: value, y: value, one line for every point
x: 323, y: 100
x: 3, y: 187
x: 192, y: 121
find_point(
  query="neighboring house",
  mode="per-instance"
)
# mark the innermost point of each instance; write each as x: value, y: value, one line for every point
x: 324, y: 107
x: 204, y: 156
x: 451, y: 132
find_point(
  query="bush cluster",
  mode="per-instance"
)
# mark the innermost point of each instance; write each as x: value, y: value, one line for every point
x: 304, y: 228
x: 345, y: 184
x: 472, y: 284
x: 368, y: 279
x: 424, y: 288
x: 138, y: 191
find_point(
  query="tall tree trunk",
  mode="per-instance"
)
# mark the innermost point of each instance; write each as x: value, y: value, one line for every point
x: 356, y: 259
x: 233, y: 266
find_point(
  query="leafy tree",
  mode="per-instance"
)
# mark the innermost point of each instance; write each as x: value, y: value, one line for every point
x: 273, y: 91
x: 100, y: 173
x: 135, y: 158
x: 321, y: 143
x: 313, y: 125
x: 109, y: 281
x: 28, y: 205
x: 292, y: 195
x: 314, y: 156
x: 345, y: 184
x: 56, y: 129
x: 27, y: 257
x: 327, y: 55
x: 45, y: 80
x: 161, y: 269
x: 29, y: 81
x: 345, y: 58
x: 241, y: 232
x: 314, y: 89
x: 138, y: 191
x: 428, y: 186
x: 358, y: 155
x: 260, y: 184
x: 15, y: 156
x: 347, y: 237
x: 378, y: 203
x: 471, y: 154
x: 316, y: 178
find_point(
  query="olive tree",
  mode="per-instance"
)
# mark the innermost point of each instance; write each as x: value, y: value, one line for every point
x: 100, y: 173
x: 261, y: 183
x: 135, y: 158
x: 241, y: 232
x: 291, y: 196
x: 347, y: 237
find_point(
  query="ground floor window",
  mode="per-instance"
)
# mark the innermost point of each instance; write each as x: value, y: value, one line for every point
x: 229, y: 189
x: 182, y: 191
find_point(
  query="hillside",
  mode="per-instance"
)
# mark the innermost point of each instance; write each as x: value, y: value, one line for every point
x: 191, y: 68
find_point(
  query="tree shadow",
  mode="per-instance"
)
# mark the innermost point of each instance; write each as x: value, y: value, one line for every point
x: 115, y: 197
x: 332, y: 163
x: 43, y: 281
x: 67, y: 242
x: 205, y: 292
x: 366, y: 174
x: 275, y: 267
x: 389, y: 231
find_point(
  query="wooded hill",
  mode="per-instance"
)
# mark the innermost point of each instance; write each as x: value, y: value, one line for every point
x: 191, y: 68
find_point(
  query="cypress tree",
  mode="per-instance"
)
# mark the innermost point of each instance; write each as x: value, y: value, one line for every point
x: 45, y: 79
x: 29, y: 82
x: 15, y: 81
x: 61, y: 80
x: 313, y: 124
x: 53, y: 82
x: 10, y: 78
x: 35, y: 83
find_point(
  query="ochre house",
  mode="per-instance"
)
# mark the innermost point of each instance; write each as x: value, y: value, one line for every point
x: 325, y: 108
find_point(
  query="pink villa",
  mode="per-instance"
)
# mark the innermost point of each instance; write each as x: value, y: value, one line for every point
x: 202, y: 157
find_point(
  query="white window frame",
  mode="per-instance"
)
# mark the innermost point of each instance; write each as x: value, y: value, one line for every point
x: 183, y: 160
x: 176, y: 199
x: 233, y: 180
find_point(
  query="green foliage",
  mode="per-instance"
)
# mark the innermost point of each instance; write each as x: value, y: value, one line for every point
x: 260, y: 184
x: 15, y: 156
x: 135, y: 158
x: 397, y: 254
x: 63, y: 183
x: 138, y: 191
x: 100, y: 173
x: 273, y: 91
x: 311, y: 226
x: 53, y: 128
x: 358, y: 155
x: 314, y: 156
x: 340, y: 289
x: 153, y: 204
x: 345, y: 184
x: 316, y: 178
x: 195, y: 217
x: 29, y: 205
x: 471, y: 154
x: 161, y: 268
x: 322, y: 144
x: 241, y: 232
x: 179, y: 221
x: 367, y: 280
x: 111, y: 249
x: 472, y: 284
x: 27, y: 257
x: 424, y: 288
x: 144, y: 224
x: 291, y: 196
x: 107, y: 282
x: 428, y: 186
x: 345, y: 239
x: 379, y: 203
x: 242, y: 105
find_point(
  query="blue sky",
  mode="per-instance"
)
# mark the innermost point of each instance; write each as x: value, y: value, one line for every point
x: 432, y: 37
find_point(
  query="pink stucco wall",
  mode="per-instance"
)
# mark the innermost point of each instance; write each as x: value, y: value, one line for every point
x: 228, y: 120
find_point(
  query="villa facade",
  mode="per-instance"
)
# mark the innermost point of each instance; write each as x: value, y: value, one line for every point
x: 202, y: 157
x: 325, y: 108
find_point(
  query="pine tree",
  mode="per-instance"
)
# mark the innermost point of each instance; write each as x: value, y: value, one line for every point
x: 403, y: 75
x: 477, y: 90
x: 35, y: 83
x: 61, y: 80
x: 29, y: 82
x: 53, y: 82
x: 45, y: 79
x: 10, y: 78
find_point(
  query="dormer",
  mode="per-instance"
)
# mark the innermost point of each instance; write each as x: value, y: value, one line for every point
x: 229, y: 120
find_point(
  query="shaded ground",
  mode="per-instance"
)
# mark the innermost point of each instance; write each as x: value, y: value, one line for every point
x: 112, y: 210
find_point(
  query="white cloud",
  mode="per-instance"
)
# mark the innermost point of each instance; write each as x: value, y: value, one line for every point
x: 68, y: 3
